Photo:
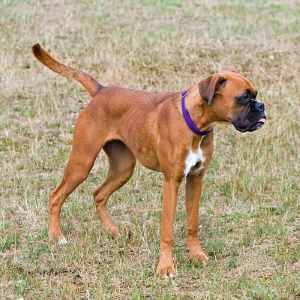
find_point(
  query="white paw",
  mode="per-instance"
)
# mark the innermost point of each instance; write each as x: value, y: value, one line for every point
x: 62, y: 241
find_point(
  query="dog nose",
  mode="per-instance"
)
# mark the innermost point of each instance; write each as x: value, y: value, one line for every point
x: 259, y: 106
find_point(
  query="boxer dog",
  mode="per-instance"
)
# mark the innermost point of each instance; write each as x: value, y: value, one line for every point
x: 169, y: 132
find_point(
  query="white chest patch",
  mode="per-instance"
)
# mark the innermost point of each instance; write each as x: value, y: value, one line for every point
x: 193, y: 159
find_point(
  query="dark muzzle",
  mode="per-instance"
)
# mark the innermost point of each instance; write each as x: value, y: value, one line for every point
x: 251, y: 118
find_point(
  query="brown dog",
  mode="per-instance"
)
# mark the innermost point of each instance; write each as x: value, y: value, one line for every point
x: 161, y: 131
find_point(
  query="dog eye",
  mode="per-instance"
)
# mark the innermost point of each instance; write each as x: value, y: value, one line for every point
x: 244, y: 99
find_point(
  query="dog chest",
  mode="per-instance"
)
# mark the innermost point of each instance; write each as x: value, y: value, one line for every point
x: 194, y: 161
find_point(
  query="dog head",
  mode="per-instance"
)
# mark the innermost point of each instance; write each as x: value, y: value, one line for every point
x: 232, y: 98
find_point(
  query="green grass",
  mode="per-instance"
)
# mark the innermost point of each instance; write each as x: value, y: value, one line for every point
x: 250, y: 206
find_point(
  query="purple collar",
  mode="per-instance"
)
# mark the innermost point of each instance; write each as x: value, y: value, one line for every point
x: 188, y: 120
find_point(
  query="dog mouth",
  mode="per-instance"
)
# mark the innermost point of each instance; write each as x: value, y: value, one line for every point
x: 260, y: 122
x: 252, y: 127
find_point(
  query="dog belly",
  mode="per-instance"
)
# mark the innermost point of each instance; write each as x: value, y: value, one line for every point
x: 148, y: 159
x: 141, y: 141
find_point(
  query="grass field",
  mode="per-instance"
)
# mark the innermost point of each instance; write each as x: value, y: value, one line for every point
x: 250, y: 208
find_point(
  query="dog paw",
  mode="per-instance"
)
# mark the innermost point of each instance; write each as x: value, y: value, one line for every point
x: 198, y: 257
x: 62, y: 241
x: 166, y: 268
x: 196, y: 252
x: 57, y: 237
x: 113, y: 231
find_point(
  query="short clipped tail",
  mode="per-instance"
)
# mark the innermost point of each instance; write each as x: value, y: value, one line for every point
x: 91, y: 85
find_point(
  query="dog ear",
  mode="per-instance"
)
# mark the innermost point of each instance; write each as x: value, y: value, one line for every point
x: 209, y: 86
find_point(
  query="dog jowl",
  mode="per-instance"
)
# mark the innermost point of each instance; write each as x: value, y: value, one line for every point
x: 167, y: 132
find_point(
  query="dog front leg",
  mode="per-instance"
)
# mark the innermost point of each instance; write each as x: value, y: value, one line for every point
x: 165, y: 267
x: 193, y: 191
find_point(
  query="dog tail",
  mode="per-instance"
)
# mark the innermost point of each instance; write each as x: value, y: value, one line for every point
x: 91, y: 85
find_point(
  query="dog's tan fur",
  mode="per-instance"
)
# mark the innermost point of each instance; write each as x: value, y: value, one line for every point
x: 135, y: 125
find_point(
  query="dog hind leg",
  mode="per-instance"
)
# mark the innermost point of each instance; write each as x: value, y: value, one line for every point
x: 121, y: 166
x: 87, y: 143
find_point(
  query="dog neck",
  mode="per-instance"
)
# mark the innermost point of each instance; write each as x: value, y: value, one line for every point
x: 194, y: 113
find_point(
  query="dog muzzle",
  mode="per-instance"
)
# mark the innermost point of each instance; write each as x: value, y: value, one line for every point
x: 251, y: 118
